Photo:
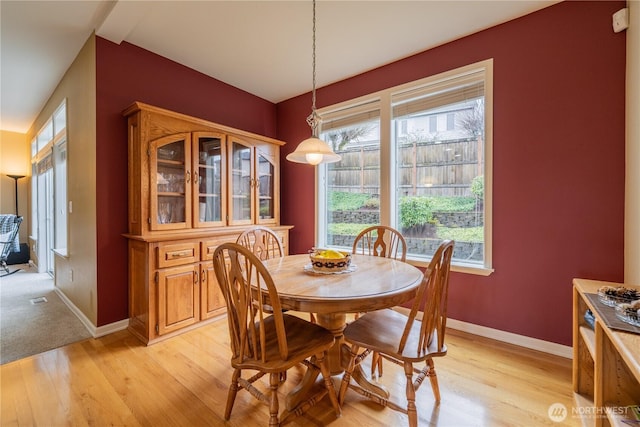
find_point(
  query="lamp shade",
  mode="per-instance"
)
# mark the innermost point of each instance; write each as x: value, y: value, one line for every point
x: 313, y: 151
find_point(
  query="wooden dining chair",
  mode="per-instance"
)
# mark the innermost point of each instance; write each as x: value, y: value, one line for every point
x: 384, y: 241
x: 405, y: 339
x: 262, y: 241
x: 267, y: 342
x: 265, y: 244
x: 381, y: 240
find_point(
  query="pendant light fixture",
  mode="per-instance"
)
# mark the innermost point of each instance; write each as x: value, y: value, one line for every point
x: 313, y: 150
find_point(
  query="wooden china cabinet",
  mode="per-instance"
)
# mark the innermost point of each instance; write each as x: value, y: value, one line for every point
x: 193, y: 185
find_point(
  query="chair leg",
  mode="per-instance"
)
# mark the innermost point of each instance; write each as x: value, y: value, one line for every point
x: 233, y: 391
x: 328, y: 382
x: 274, y: 382
x: 412, y: 411
x: 434, y: 380
x: 346, y: 377
x: 376, y: 363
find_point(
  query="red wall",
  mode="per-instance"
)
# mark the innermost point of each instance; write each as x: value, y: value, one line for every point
x: 558, y: 181
x: 126, y: 73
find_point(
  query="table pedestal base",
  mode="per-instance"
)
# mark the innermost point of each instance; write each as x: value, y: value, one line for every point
x: 337, y: 359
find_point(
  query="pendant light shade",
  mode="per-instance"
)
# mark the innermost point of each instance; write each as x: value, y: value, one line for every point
x: 313, y: 151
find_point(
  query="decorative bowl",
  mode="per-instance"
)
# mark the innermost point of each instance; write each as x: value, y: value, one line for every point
x: 609, y: 295
x: 327, y: 261
x: 629, y: 312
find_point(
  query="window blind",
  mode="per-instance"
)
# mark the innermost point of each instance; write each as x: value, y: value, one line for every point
x: 437, y: 94
x: 350, y: 116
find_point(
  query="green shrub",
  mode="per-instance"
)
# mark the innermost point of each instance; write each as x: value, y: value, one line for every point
x: 372, y: 203
x: 477, y: 186
x: 415, y: 211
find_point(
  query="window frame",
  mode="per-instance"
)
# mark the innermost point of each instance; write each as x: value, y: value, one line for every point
x: 388, y: 202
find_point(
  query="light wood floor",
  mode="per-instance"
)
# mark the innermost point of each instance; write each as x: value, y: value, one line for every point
x: 115, y: 380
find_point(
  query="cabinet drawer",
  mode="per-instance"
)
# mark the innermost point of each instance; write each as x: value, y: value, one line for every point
x: 207, y: 247
x: 177, y: 254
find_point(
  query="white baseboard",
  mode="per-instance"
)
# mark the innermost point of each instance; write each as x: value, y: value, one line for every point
x: 110, y: 328
x: 95, y: 332
x: 508, y: 337
x: 511, y: 338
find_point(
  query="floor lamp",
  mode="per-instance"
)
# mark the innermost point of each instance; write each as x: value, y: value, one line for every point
x: 16, y: 178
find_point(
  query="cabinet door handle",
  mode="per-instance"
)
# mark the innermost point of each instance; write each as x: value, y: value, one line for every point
x: 204, y: 276
x: 195, y: 278
x: 188, y: 177
x: 195, y: 177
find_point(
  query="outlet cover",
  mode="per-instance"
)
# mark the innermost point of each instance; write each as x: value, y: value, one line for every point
x: 620, y: 20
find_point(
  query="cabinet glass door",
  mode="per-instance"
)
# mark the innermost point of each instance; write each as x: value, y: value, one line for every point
x: 241, y: 183
x: 209, y: 198
x: 170, y: 183
x: 266, y: 206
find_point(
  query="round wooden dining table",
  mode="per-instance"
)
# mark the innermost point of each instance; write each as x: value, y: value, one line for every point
x: 371, y: 283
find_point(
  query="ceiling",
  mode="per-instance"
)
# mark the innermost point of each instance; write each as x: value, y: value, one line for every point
x: 263, y: 47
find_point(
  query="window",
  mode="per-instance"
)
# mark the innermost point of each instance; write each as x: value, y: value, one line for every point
x: 451, y: 121
x: 433, y: 124
x: 49, y: 189
x: 431, y: 141
x: 355, y: 180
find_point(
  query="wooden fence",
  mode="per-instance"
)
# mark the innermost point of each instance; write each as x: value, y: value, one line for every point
x: 425, y: 168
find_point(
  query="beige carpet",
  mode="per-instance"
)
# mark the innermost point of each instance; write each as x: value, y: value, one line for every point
x: 33, y: 318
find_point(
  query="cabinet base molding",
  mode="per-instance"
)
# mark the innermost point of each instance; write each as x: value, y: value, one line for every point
x: 160, y: 338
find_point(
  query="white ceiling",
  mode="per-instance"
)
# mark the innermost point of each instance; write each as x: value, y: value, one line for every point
x: 263, y: 47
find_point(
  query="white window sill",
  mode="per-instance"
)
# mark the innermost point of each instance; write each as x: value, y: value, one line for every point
x: 61, y: 252
x: 457, y: 267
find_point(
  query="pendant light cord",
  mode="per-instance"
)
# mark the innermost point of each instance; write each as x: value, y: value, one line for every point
x: 313, y: 120
x: 313, y: 151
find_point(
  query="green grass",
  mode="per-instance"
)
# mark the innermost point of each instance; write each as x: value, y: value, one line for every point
x: 453, y: 204
x: 471, y: 234
x: 344, y: 229
x: 342, y: 201
x: 339, y: 201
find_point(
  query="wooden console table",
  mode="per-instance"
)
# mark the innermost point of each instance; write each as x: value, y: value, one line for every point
x: 606, y: 361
